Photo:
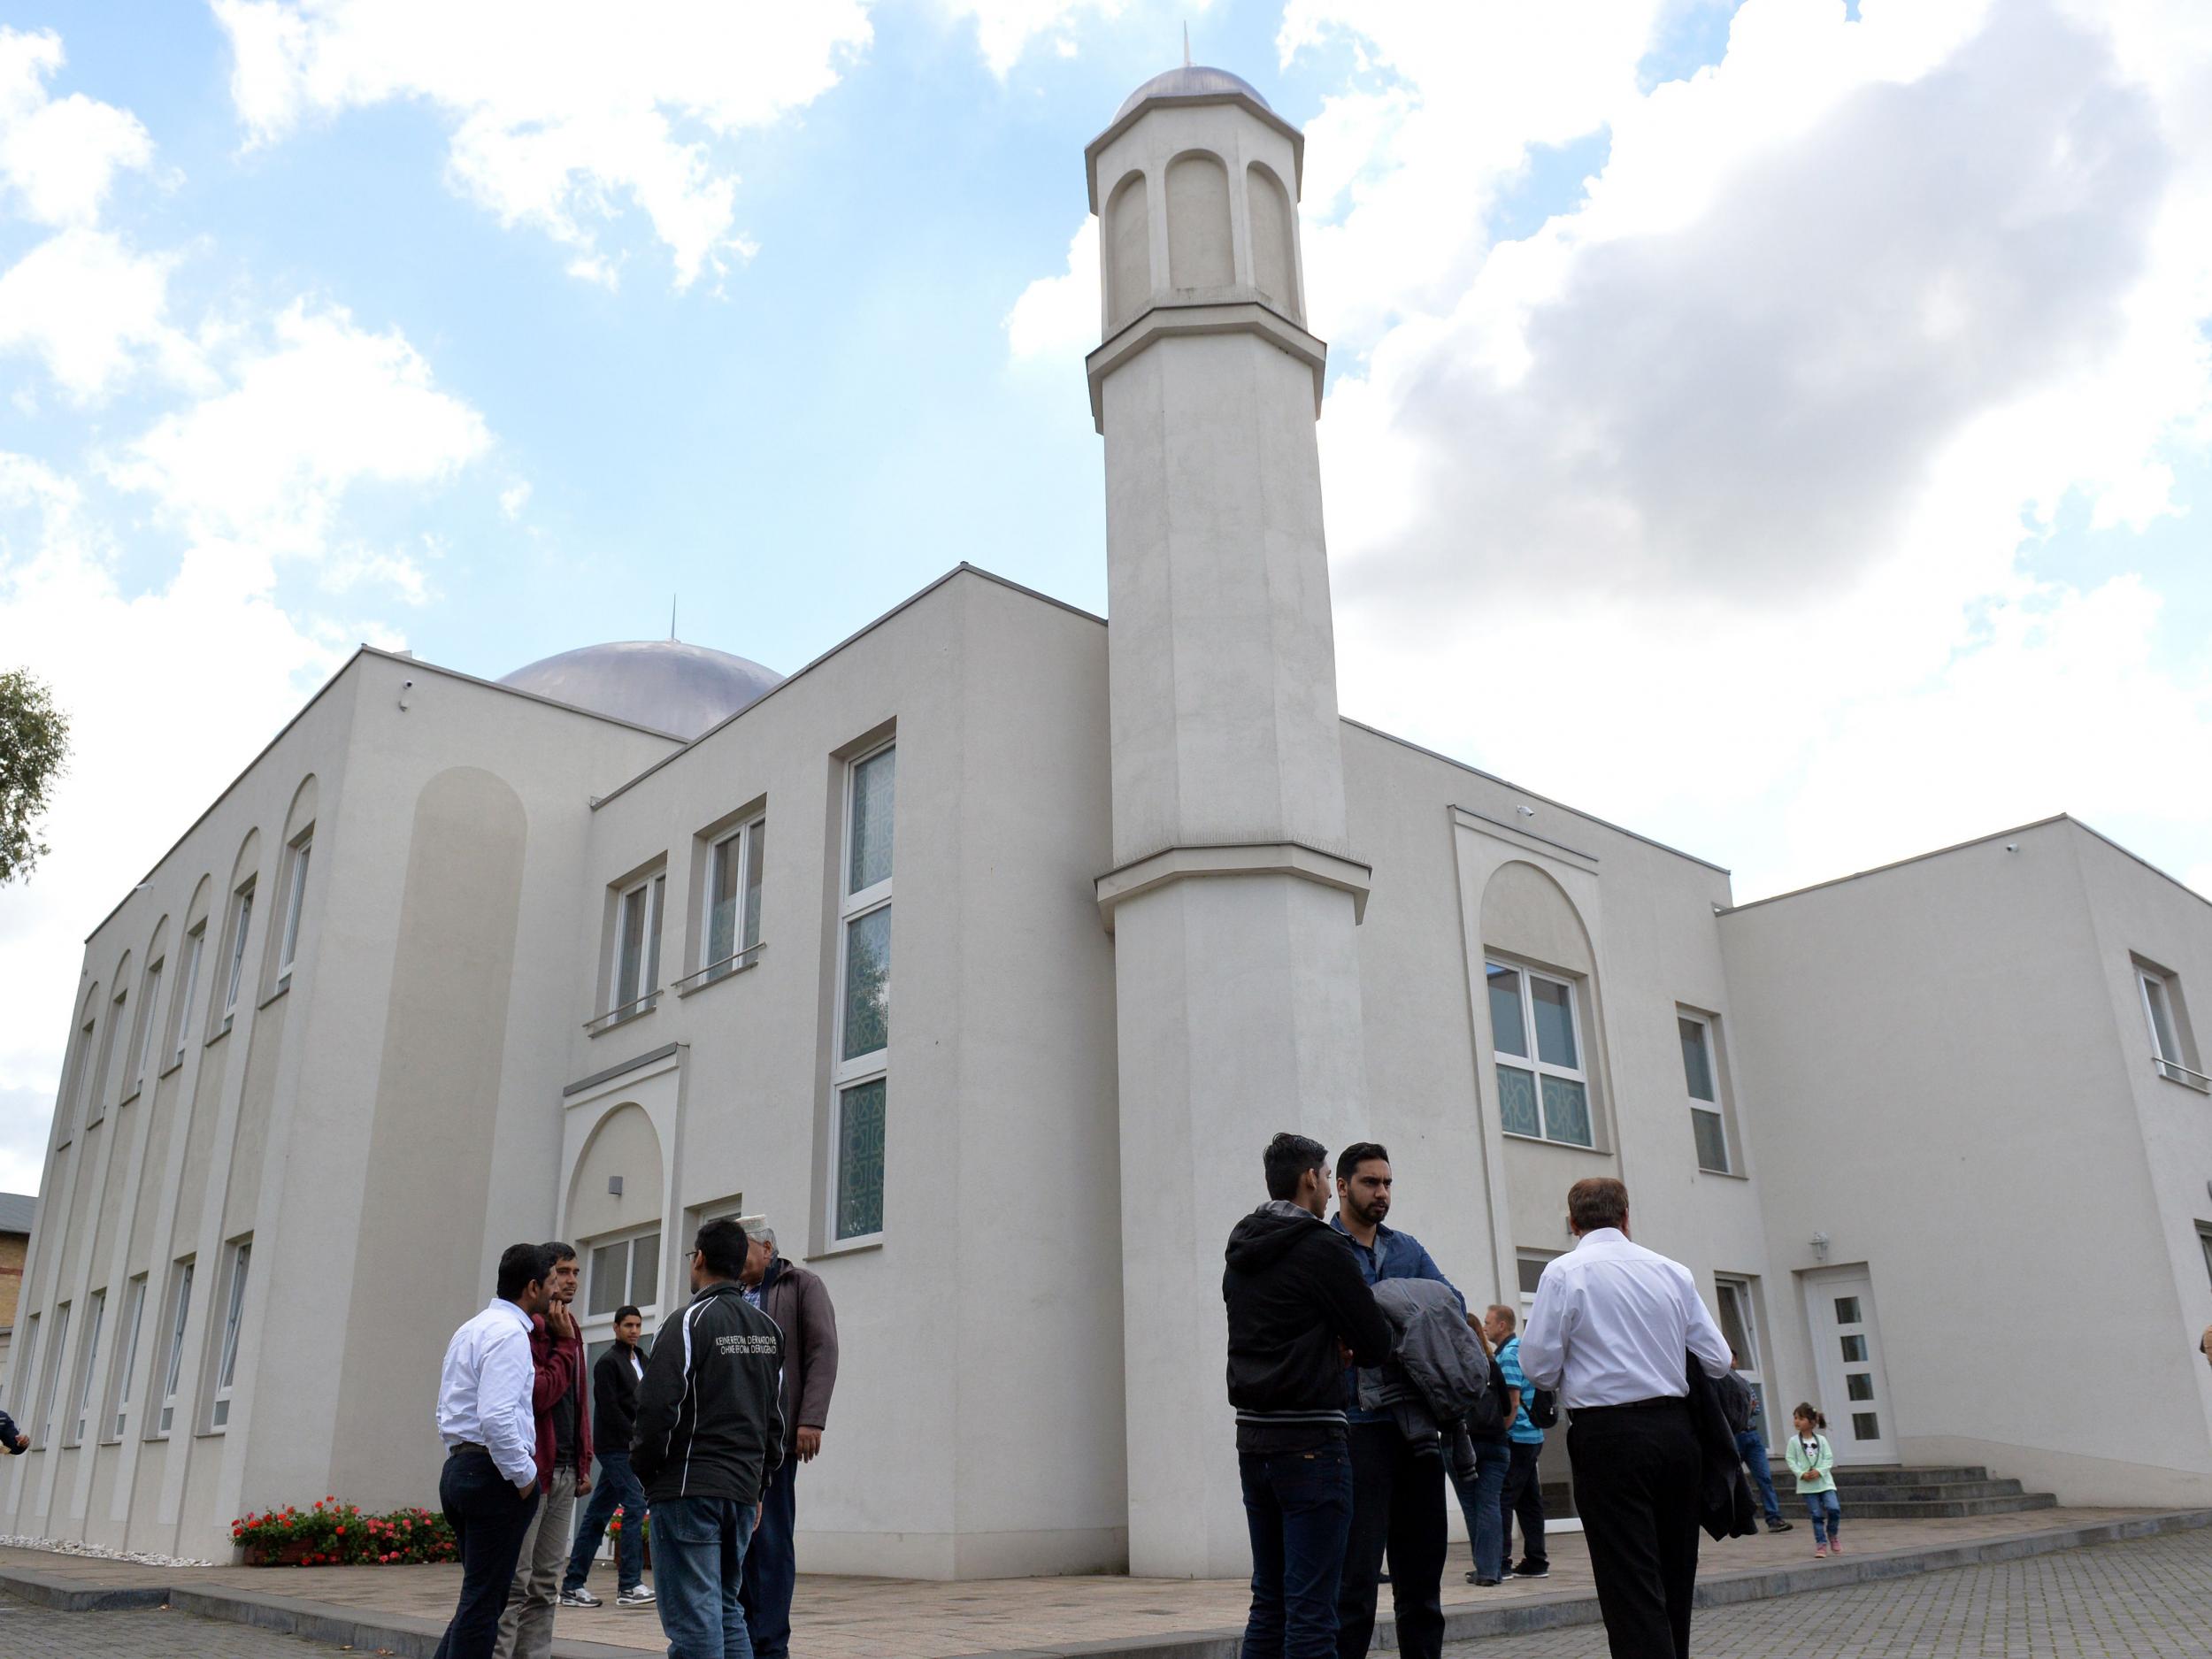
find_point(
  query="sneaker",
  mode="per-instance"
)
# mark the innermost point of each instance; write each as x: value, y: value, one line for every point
x: 1835, y: 1546
x: 1780, y: 1526
x: 1482, y: 1584
x: 1820, y: 1552
x: 580, y: 1597
x: 636, y: 1595
x: 1532, y: 1569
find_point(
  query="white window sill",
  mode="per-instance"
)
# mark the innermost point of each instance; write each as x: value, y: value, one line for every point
x: 282, y: 986
x: 1726, y: 1175
x: 137, y: 1089
x: 1546, y: 1141
x: 176, y: 1064
x: 627, y: 1015
x: 849, y: 1247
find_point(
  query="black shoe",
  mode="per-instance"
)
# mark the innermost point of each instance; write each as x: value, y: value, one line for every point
x: 1780, y: 1526
x: 1532, y: 1569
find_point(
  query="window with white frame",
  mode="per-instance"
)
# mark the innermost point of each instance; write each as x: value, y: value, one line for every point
x: 1530, y: 1266
x: 295, y: 899
x: 119, y: 1403
x: 97, y: 1101
x: 2204, y: 1243
x: 1536, y: 1028
x: 69, y: 1109
x: 1701, y: 1075
x: 731, y: 925
x: 860, y: 1088
x: 2170, y: 1049
x: 80, y: 1413
x: 636, y: 981
x: 173, y: 1360
x: 618, y: 1271
x: 234, y: 1317
x: 234, y: 971
x: 52, y: 1382
x: 188, y: 982
x: 1740, y: 1326
x: 149, y: 1004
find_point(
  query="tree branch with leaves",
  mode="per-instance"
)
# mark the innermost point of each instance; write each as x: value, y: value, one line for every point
x: 33, y: 753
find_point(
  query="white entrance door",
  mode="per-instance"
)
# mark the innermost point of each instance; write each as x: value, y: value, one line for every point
x: 1848, y: 1353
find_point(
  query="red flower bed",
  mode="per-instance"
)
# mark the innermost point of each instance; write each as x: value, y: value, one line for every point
x: 329, y: 1533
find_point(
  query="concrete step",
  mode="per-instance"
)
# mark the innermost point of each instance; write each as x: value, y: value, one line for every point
x: 1930, y: 1491
x: 1945, y: 1510
x: 1889, y: 1474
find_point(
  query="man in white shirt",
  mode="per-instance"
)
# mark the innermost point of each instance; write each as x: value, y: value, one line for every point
x: 489, y: 1487
x: 1612, y: 1330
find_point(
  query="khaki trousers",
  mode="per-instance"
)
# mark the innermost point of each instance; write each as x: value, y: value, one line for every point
x: 525, y: 1629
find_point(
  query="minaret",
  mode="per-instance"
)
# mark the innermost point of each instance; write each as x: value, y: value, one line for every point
x: 1234, y: 896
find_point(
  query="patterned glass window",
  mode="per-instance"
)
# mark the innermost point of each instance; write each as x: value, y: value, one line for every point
x: 1536, y: 1028
x: 860, y: 1088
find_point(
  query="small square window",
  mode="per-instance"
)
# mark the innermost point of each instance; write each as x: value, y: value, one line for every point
x: 1859, y: 1385
x: 1848, y: 1310
x: 1854, y: 1350
x: 1531, y: 1264
x: 1865, y: 1426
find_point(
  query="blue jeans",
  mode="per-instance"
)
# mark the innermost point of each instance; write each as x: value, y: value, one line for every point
x: 698, y: 1565
x: 616, y: 1486
x: 772, y: 1569
x: 1827, y: 1512
x: 489, y: 1518
x: 1760, y: 1462
x: 1479, y: 1501
x: 1299, y: 1508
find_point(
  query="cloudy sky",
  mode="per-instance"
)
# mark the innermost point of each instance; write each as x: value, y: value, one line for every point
x: 1785, y: 429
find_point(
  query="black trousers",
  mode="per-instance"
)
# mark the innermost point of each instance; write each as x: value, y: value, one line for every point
x: 1636, y: 1472
x: 489, y: 1518
x: 1523, y: 1497
x: 1398, y: 1503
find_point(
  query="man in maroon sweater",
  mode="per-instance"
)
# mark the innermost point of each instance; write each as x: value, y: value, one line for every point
x: 561, y: 1396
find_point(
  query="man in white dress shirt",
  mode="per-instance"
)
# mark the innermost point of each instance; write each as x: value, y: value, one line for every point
x: 1612, y: 1328
x: 489, y: 1487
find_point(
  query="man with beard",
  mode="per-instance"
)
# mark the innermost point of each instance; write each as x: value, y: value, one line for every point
x: 1296, y: 1308
x: 1397, y: 1491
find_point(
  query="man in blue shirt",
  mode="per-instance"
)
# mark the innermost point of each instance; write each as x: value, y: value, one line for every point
x: 1522, y: 1496
x: 1397, y: 1495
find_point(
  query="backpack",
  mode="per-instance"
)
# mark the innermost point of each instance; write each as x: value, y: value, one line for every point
x: 1486, y: 1419
x: 1542, y: 1406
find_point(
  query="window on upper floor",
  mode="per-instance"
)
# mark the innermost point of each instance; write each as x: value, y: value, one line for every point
x: 1536, y: 1027
x: 295, y: 900
x: 634, y: 976
x: 730, y: 926
x: 1701, y: 1076
x: 97, y: 1099
x: 187, y: 983
x: 2172, y: 1050
x: 860, y: 1085
x: 148, y: 1006
x: 234, y: 966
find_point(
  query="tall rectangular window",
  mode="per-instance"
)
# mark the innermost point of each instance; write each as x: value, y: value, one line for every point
x: 2171, y: 1050
x: 234, y: 972
x: 294, y: 898
x: 173, y: 1360
x: 637, y: 947
x: 861, y: 1086
x: 187, y: 983
x: 18, y: 1394
x: 1739, y: 1325
x: 733, y: 899
x: 80, y: 1412
x: 125, y: 1357
x: 149, y: 1004
x: 97, y: 1101
x: 1543, y: 1087
x: 1701, y: 1076
x: 48, y: 1387
x: 233, y: 1315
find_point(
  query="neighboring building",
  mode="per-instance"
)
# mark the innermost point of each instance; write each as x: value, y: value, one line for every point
x: 17, y: 1211
x: 608, y: 949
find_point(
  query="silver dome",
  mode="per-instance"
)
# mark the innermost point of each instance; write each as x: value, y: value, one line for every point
x: 1191, y: 80
x: 664, y: 684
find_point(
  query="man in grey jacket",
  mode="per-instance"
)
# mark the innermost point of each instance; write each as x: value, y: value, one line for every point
x: 799, y: 1302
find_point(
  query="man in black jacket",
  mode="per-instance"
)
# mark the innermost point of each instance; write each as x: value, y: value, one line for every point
x: 1299, y: 1311
x: 708, y: 1432
x: 614, y: 1382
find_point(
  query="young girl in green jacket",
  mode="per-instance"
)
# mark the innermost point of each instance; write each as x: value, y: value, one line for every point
x: 1810, y: 1459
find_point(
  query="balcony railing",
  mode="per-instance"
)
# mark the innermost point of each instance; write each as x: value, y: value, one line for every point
x: 721, y: 970
x: 2181, y: 1074
x: 628, y: 1011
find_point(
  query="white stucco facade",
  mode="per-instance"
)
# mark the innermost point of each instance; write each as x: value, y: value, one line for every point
x: 521, y: 968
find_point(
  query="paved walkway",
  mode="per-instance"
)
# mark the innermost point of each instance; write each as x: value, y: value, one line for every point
x: 31, y: 1632
x: 2150, y: 1598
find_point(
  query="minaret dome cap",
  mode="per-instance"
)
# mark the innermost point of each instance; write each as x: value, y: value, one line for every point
x: 1191, y: 80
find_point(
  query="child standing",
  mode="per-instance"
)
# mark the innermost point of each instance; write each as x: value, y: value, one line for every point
x: 1810, y: 1459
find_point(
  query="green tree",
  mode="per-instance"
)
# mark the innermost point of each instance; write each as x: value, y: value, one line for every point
x: 34, y: 752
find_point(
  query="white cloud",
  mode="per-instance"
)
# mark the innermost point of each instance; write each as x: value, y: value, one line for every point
x: 562, y: 112
x: 514, y: 499
x: 1005, y: 28
x: 1056, y: 317
x: 91, y: 310
x: 328, y: 407
x: 1706, y: 503
x: 58, y: 156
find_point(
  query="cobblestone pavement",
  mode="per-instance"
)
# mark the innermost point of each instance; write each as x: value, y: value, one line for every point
x: 2146, y: 1599
x: 38, y: 1632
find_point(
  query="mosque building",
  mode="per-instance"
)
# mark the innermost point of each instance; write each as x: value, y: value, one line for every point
x: 609, y: 947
